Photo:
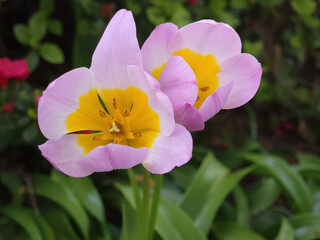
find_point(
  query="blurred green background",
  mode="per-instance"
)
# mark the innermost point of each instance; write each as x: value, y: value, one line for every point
x: 255, y: 170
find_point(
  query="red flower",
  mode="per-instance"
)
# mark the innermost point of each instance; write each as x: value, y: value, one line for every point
x: 17, y: 69
x: 193, y: 2
x: 36, y: 98
x: 107, y: 10
x: 8, y: 107
x: 288, y: 126
x: 278, y: 132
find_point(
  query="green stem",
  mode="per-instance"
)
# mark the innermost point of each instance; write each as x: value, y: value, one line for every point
x: 155, y: 204
x: 145, y: 203
x: 134, y: 185
x: 137, y: 198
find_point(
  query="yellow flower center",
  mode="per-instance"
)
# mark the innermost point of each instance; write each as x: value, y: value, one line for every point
x: 126, y: 118
x: 205, y: 68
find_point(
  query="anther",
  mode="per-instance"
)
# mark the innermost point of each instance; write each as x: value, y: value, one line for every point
x: 114, y: 103
x: 96, y: 138
x: 204, y: 89
x: 102, y: 114
x: 126, y: 114
x: 137, y: 134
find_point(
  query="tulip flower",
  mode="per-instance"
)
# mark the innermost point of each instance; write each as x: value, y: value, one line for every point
x: 201, y: 68
x: 112, y: 115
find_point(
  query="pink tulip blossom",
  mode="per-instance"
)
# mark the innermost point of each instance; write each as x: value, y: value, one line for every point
x: 112, y: 115
x: 201, y: 69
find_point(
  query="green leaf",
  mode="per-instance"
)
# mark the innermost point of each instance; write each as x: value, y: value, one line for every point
x: 37, y: 28
x: 229, y: 18
x: 55, y: 27
x: 309, y: 170
x: 127, y: 192
x: 306, y: 226
x: 242, y: 208
x: 60, y: 223
x: 30, y: 132
x: 155, y: 15
x: 25, y: 219
x: 21, y: 33
x: 33, y: 60
x: 233, y: 231
x: 180, y: 16
x: 286, y: 231
x: 270, y: 3
x: 304, y: 7
x: 47, y: 232
x: 267, y: 222
x: 213, y: 183
x: 307, y: 158
x: 290, y: 180
x: 129, y: 223
x: 13, y: 182
x: 90, y: 198
x: 217, y: 6
x: 82, y: 49
x: 254, y: 48
x: 51, y: 52
x: 174, y: 223
x: 263, y: 194
x: 47, y: 6
x: 239, y: 4
x: 63, y: 195
x: 85, y: 191
x: 134, y: 6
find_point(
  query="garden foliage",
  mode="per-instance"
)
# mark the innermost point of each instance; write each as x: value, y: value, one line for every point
x: 255, y: 173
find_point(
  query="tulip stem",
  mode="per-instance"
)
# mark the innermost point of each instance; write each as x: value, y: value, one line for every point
x: 135, y: 187
x: 146, y: 217
x: 145, y: 203
x: 137, y: 198
x: 155, y: 204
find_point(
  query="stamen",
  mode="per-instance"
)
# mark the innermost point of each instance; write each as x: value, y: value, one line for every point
x: 131, y: 107
x: 126, y: 114
x: 102, y: 114
x: 114, y: 103
x: 204, y: 89
x: 137, y: 134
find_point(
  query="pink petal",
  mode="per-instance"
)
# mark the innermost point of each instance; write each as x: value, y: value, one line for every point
x: 62, y: 154
x: 207, y: 37
x: 213, y: 104
x: 178, y: 82
x: 113, y: 156
x: 169, y: 152
x: 157, y: 100
x: 245, y: 72
x: 62, y: 98
x: 68, y: 157
x: 117, y: 49
x: 190, y: 117
x: 155, y: 49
